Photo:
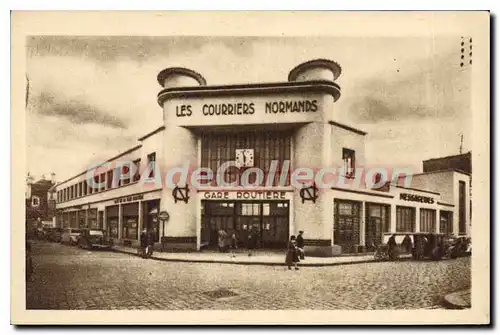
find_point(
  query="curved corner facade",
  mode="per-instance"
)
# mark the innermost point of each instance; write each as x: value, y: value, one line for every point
x: 271, y: 135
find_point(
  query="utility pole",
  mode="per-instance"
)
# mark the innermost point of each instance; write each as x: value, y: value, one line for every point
x: 461, y: 143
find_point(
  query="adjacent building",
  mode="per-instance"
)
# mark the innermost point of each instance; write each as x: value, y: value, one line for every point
x: 282, y: 129
x: 40, y: 201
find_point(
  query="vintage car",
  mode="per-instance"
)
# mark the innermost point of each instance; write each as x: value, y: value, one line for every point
x: 94, y: 238
x: 53, y: 234
x: 70, y: 236
x: 459, y: 247
x: 429, y: 246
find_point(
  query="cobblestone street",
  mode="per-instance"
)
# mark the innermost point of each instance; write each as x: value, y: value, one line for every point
x: 70, y: 278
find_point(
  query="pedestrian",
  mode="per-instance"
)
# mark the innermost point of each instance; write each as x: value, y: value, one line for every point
x: 300, y: 244
x: 222, y: 240
x: 292, y: 254
x: 392, y: 247
x: 407, y: 244
x: 234, y: 240
x: 252, y: 241
x: 144, y: 242
x: 151, y: 241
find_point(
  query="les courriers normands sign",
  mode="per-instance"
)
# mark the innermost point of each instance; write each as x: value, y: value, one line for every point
x: 249, y: 108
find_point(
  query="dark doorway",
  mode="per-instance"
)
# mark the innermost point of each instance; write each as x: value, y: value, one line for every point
x: 347, y: 223
x: 269, y: 221
x: 377, y: 222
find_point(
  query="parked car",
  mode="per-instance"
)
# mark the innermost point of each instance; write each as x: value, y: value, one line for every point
x: 429, y: 245
x: 460, y: 246
x: 29, y: 261
x: 70, y: 235
x: 94, y: 238
x: 53, y: 234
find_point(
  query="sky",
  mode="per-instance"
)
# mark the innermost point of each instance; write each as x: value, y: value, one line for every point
x: 90, y: 98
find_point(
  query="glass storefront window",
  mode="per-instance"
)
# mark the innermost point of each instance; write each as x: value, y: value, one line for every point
x: 92, y: 214
x: 405, y: 219
x: 113, y: 227
x: 427, y: 220
x: 130, y: 227
x: 446, y: 222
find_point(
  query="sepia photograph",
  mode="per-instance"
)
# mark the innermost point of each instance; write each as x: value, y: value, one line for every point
x: 248, y: 171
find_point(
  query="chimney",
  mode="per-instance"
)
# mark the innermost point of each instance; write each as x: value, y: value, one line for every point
x: 53, y: 177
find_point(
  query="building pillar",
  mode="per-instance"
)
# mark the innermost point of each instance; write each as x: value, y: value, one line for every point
x: 362, y: 225
x: 87, y: 218
x: 120, y: 221
x: 393, y: 219
x: 104, y: 220
x: 417, y: 220
x: 139, y: 221
x: 438, y: 221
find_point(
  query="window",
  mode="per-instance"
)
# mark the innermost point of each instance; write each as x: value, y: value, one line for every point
x: 35, y: 201
x: 462, y: 229
x: 446, y: 222
x: 125, y: 175
x: 267, y: 146
x: 152, y: 164
x: 348, y: 156
x: 137, y: 175
x: 427, y: 220
x: 252, y: 209
x: 405, y: 219
x: 84, y: 187
x: 347, y: 223
x: 109, y: 181
x: 102, y: 182
x: 96, y: 184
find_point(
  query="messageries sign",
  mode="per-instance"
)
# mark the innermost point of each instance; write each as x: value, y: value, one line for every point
x: 416, y: 198
x: 248, y: 108
x: 244, y: 195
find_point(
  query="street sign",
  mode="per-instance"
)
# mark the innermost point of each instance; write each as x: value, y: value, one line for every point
x: 163, y: 216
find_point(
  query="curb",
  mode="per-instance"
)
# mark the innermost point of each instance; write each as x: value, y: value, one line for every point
x: 448, y: 302
x: 180, y: 260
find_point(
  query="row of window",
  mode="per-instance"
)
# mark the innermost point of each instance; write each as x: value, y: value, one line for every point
x: 256, y: 149
x: 406, y: 217
x: 106, y: 180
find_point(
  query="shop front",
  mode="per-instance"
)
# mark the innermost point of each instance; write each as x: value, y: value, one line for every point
x: 347, y: 222
x: 377, y: 223
x: 267, y: 222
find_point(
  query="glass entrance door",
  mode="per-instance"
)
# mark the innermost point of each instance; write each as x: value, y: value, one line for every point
x: 347, y: 222
x: 267, y: 221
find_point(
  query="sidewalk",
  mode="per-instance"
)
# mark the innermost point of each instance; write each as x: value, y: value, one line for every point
x: 458, y: 300
x: 241, y: 257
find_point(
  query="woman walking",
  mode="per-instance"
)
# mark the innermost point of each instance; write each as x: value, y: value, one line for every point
x: 292, y: 254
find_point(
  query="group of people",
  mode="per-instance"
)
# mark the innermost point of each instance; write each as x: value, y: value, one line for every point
x: 227, y: 240
x: 295, y: 252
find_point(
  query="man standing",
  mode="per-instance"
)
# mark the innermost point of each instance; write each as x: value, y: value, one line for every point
x: 144, y: 243
x: 300, y: 244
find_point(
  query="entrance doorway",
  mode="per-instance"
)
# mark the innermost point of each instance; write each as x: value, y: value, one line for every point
x: 377, y: 220
x: 268, y: 220
x: 347, y: 222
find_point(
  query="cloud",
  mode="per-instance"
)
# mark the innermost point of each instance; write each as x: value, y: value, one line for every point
x: 136, y: 48
x: 77, y: 112
x: 432, y: 88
